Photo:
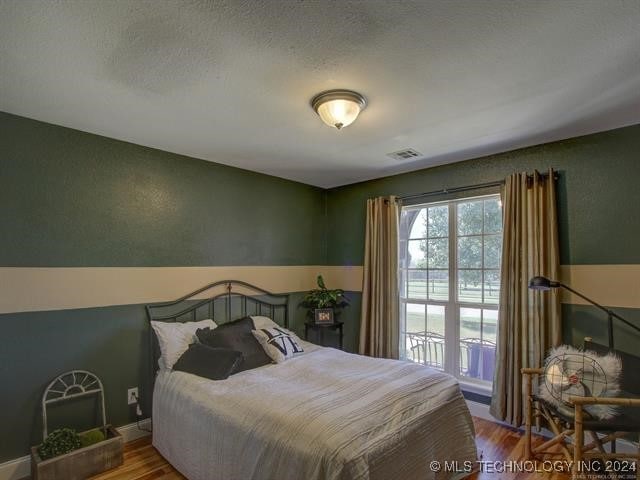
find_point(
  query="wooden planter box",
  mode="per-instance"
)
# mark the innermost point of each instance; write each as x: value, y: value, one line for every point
x: 81, y: 463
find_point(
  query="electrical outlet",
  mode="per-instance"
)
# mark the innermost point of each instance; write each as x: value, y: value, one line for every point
x: 132, y: 396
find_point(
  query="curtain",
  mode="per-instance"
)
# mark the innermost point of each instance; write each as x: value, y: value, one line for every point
x: 379, y: 325
x: 528, y: 321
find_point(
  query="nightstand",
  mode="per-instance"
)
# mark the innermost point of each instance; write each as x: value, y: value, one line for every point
x: 320, y: 328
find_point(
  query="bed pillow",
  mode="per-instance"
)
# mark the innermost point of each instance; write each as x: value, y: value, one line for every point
x: 175, y: 337
x: 260, y: 322
x: 236, y: 335
x: 208, y: 362
x: 278, y: 343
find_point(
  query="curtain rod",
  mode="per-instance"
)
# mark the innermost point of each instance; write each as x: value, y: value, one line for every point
x: 452, y: 190
x: 477, y: 186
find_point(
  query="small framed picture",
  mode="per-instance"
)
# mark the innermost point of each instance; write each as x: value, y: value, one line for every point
x: 323, y: 316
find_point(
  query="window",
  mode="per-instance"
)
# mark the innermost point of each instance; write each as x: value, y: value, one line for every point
x: 450, y: 285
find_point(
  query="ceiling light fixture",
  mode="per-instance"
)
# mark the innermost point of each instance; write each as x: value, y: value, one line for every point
x: 338, y: 108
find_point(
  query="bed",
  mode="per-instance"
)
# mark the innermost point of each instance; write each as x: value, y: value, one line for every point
x: 324, y: 414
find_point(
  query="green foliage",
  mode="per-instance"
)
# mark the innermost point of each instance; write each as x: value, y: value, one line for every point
x: 91, y: 437
x: 435, y: 224
x: 322, y: 297
x: 476, y: 217
x: 59, y: 442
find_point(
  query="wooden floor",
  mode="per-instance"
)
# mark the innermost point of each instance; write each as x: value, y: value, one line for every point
x: 495, y: 443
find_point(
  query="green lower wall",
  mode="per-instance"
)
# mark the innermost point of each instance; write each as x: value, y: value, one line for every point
x: 586, y: 321
x: 112, y: 342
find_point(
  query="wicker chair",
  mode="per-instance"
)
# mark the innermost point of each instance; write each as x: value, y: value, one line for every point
x: 569, y: 427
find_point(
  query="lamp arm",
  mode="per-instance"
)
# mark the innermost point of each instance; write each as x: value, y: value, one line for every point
x: 608, y: 311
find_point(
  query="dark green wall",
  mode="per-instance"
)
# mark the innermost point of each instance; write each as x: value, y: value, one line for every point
x: 598, y: 196
x: 112, y: 342
x: 598, y: 207
x: 73, y: 199
x: 76, y: 199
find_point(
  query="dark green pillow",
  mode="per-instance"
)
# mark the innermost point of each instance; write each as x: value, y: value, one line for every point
x: 208, y: 362
x: 236, y: 335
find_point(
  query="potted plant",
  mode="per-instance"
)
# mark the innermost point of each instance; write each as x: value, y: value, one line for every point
x: 323, y: 304
x: 70, y: 455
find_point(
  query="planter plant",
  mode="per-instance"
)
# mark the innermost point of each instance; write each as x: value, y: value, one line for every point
x: 324, y: 298
x: 76, y: 456
x: 59, y: 442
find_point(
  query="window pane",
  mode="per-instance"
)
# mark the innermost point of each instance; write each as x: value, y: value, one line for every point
x: 435, y: 319
x: 415, y: 323
x: 419, y: 227
x: 434, y: 348
x: 470, y: 252
x: 415, y: 317
x: 470, y: 334
x: 438, y: 287
x: 470, y: 323
x: 492, y: 216
x: 417, y: 253
x: 439, y: 221
x: 492, y: 251
x: 489, y: 325
x: 438, y: 253
x: 470, y: 218
x: 491, y: 286
x: 470, y: 286
x: 417, y: 284
x: 477, y: 343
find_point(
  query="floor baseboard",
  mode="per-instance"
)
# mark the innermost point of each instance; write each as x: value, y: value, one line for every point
x: 20, y: 468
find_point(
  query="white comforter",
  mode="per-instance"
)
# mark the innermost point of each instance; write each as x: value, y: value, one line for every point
x: 325, y: 414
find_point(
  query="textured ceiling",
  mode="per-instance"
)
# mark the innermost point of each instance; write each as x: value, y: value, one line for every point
x: 231, y: 81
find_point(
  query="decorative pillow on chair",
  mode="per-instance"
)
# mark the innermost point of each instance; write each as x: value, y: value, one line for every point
x: 175, y: 337
x: 236, y: 335
x: 582, y: 373
x: 279, y: 344
x: 208, y: 362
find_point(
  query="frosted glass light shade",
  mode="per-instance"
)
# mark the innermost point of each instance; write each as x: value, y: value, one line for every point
x: 339, y: 113
x: 338, y: 108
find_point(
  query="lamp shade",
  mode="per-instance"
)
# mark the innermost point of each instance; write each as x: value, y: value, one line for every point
x: 338, y: 108
x: 542, y: 283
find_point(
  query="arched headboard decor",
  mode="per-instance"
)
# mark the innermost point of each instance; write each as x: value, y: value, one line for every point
x: 222, y: 301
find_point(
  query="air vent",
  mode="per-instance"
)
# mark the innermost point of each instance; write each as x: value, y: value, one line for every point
x: 406, y: 154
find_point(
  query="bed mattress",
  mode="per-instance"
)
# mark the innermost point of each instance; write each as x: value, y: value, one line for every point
x: 325, y: 414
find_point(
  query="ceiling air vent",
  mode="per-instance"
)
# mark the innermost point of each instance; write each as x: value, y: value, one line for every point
x: 406, y: 154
